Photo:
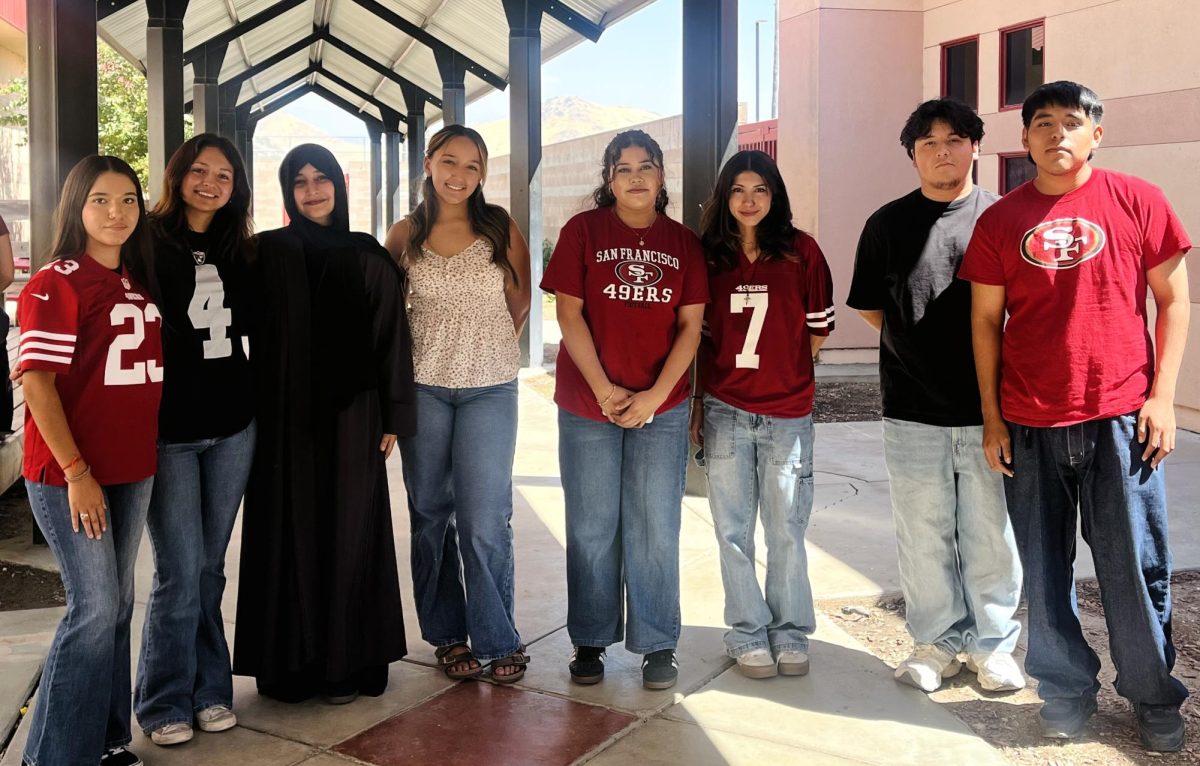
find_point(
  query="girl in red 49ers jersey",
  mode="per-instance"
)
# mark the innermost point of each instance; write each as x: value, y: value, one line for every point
x: 91, y: 357
x: 631, y: 290
x: 772, y: 307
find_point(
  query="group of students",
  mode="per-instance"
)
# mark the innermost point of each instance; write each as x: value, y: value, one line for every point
x: 174, y: 362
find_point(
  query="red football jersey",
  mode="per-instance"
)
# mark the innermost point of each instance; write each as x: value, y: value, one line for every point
x: 99, y: 332
x: 757, y: 328
x: 631, y: 294
x: 1076, y: 346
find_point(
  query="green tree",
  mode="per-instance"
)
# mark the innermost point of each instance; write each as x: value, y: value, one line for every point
x: 121, y: 106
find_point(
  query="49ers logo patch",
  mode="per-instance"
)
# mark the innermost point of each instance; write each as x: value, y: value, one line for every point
x: 638, y: 274
x: 1063, y: 243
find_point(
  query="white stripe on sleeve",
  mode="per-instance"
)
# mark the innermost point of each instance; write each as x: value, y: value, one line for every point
x: 33, y: 334
x: 44, y: 357
x: 59, y: 347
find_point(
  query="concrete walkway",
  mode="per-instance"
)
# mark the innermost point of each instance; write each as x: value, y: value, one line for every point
x: 848, y: 710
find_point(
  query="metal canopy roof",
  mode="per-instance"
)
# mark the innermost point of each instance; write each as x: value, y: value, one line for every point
x: 358, y: 50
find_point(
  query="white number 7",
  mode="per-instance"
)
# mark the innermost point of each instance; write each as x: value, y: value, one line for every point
x: 758, y: 308
x: 137, y: 373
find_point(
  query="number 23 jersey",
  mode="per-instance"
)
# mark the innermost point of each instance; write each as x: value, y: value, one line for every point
x: 100, y: 333
x: 757, y: 328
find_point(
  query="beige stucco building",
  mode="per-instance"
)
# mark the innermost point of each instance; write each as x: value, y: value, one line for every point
x: 850, y: 72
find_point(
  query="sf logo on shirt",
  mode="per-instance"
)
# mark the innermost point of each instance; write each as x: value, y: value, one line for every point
x: 1063, y: 243
x: 638, y: 283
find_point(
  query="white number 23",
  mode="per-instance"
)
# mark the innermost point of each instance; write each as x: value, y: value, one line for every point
x: 137, y: 373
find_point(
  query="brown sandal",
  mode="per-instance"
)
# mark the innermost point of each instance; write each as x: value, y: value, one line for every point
x: 458, y: 654
x: 518, y: 659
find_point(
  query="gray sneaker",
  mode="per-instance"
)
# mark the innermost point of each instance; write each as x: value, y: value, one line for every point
x: 216, y: 718
x: 171, y: 734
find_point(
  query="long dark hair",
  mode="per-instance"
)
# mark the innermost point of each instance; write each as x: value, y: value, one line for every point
x: 719, y: 235
x: 323, y: 160
x: 70, y: 236
x: 231, y: 227
x: 603, y: 195
x: 491, y: 222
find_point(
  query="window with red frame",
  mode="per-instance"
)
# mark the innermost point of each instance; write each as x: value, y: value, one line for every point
x: 1022, y: 64
x: 1015, y: 169
x: 960, y: 71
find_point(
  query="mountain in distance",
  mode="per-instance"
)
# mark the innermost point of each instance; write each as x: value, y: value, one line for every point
x: 564, y: 118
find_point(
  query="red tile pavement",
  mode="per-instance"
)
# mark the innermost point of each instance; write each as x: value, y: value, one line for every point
x: 479, y: 722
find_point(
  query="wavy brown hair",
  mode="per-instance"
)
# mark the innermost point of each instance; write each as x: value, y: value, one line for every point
x: 719, y: 234
x: 491, y: 222
x: 603, y: 195
x: 70, y: 236
x: 232, y: 226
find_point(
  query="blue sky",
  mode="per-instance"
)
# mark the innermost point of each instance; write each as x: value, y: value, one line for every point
x: 601, y: 72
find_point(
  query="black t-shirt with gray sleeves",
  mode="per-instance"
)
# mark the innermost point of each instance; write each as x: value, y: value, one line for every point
x: 907, y: 266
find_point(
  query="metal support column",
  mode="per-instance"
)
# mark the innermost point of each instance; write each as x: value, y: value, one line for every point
x: 376, y: 134
x: 243, y: 133
x: 62, y: 113
x: 227, y: 109
x: 164, y: 85
x: 248, y: 151
x: 206, y: 99
x: 392, y: 139
x: 709, y: 98
x: 453, y: 69
x: 414, y: 138
x: 525, y: 160
x: 709, y: 117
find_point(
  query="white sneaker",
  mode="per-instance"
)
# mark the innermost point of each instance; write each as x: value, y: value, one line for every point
x: 927, y: 666
x: 793, y: 663
x: 171, y: 734
x: 216, y: 718
x: 998, y: 672
x: 757, y: 663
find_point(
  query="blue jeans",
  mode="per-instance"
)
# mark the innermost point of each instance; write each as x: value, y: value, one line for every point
x: 760, y: 464
x: 624, y: 495
x: 959, y: 569
x: 83, y: 699
x: 458, y: 473
x: 1095, y: 471
x: 184, y: 666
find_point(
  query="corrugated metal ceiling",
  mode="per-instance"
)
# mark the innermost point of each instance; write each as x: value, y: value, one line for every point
x: 476, y: 28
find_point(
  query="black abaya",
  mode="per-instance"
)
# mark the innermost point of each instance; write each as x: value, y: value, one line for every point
x: 319, y: 597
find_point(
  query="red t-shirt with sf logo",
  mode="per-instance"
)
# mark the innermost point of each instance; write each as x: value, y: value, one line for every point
x: 100, y: 334
x: 630, y: 294
x: 758, y: 326
x: 1077, y: 345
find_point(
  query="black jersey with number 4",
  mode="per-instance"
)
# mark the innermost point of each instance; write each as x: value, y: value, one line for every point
x: 208, y: 389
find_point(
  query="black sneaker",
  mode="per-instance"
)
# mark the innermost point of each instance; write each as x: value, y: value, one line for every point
x: 587, y: 666
x: 1065, y: 717
x: 659, y: 669
x: 119, y: 756
x: 1160, y: 727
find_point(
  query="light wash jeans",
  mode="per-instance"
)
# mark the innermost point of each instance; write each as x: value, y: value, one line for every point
x: 184, y: 666
x: 1094, y: 473
x: 458, y: 473
x: 83, y: 699
x: 959, y: 569
x: 624, y: 493
x: 760, y: 464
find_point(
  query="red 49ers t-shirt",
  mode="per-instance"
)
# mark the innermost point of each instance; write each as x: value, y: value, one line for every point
x: 630, y: 295
x: 757, y: 331
x: 100, y: 334
x: 1076, y: 346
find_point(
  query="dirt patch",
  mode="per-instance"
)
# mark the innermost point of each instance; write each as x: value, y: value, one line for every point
x: 834, y: 402
x: 23, y: 587
x: 1009, y: 721
x: 842, y: 402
